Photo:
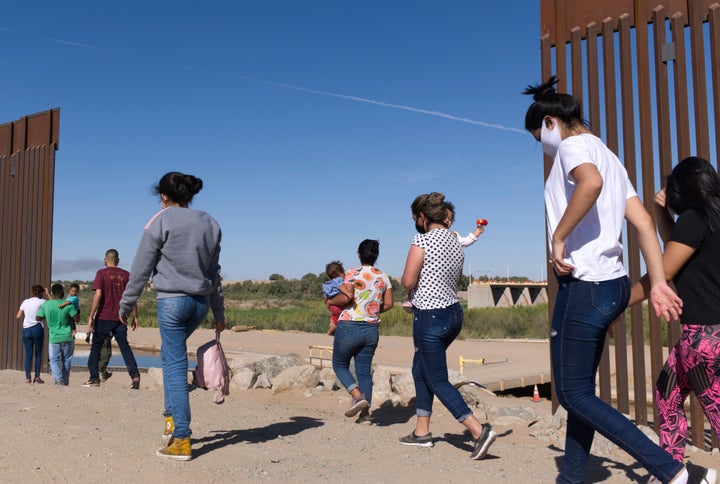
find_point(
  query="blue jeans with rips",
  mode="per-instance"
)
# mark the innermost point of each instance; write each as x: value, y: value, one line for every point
x: 178, y: 318
x: 33, y: 338
x: 433, y: 332
x: 60, y: 355
x: 359, y: 340
x: 104, y: 329
x: 582, y: 314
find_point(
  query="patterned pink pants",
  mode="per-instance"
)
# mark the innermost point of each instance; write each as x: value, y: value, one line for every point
x: 693, y: 365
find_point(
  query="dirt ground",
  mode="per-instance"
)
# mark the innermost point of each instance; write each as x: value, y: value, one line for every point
x: 75, y: 434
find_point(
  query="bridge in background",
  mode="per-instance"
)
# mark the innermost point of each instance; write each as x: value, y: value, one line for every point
x: 506, y: 294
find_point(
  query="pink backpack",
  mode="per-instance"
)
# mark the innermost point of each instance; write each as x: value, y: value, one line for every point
x: 212, y: 371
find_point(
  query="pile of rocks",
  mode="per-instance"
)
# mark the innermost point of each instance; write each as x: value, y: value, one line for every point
x: 291, y: 372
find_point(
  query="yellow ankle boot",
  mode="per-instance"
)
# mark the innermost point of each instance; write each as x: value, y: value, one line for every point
x: 178, y: 449
x: 169, y: 427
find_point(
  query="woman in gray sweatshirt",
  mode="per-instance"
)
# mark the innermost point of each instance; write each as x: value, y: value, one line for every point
x: 180, y: 250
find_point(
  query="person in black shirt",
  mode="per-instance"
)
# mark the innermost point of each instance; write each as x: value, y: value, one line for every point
x: 691, y: 259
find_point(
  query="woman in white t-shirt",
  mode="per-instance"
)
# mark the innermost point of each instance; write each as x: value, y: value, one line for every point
x: 33, y: 332
x: 587, y: 196
x: 432, y: 272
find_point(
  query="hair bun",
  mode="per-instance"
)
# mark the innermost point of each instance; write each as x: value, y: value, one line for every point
x: 436, y: 197
x: 193, y: 183
x: 539, y: 91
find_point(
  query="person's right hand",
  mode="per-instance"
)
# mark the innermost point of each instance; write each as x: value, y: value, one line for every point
x: 219, y: 326
x: 561, y: 267
x: 91, y: 325
x: 665, y: 302
x: 661, y: 197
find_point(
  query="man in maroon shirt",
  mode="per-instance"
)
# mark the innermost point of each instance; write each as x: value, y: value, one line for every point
x: 104, y: 319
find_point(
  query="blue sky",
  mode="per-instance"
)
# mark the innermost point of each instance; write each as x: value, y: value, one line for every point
x: 312, y: 124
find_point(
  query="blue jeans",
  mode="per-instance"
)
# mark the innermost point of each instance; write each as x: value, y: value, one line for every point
x: 178, y: 318
x: 582, y: 314
x: 33, y: 338
x: 433, y: 332
x: 104, y: 329
x: 60, y: 360
x: 359, y: 340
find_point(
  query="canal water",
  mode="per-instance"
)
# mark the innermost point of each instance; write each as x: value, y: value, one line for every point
x: 145, y: 359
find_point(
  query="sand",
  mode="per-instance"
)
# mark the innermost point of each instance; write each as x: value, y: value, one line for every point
x: 77, y: 434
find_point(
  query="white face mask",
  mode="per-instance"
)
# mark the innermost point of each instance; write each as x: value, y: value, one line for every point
x: 550, y: 139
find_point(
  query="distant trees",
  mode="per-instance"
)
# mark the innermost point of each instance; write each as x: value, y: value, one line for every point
x: 307, y: 288
x: 484, y: 278
x: 277, y: 287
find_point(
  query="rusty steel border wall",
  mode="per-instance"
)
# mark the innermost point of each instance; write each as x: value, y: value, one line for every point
x: 27, y: 181
x: 640, y: 69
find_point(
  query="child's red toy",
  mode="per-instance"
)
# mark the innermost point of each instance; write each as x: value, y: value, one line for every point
x: 481, y: 221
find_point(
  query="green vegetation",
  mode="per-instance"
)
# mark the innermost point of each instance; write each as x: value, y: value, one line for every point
x: 296, y: 305
x: 518, y: 322
x: 663, y: 325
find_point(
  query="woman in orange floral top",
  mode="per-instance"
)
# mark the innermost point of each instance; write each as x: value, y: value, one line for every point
x: 357, y: 332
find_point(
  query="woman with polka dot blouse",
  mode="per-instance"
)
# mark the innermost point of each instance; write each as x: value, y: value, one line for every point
x: 432, y: 273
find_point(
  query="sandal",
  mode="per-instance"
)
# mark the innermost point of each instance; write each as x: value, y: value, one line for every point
x: 135, y: 384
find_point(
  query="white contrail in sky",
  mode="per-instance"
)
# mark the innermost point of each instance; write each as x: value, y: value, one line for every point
x: 384, y: 104
x: 71, y: 43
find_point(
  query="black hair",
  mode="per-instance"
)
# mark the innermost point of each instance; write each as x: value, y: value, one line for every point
x: 178, y: 187
x: 565, y: 107
x: 450, y: 214
x: 75, y: 285
x: 694, y: 183
x: 334, y: 269
x: 57, y: 290
x: 37, y: 290
x: 368, y: 251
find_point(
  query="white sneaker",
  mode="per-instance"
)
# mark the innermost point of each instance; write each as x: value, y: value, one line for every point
x: 681, y: 478
x: 710, y: 476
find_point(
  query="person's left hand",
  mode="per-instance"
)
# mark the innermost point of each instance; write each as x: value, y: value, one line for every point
x: 123, y: 319
x: 219, y: 326
x: 134, y: 323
